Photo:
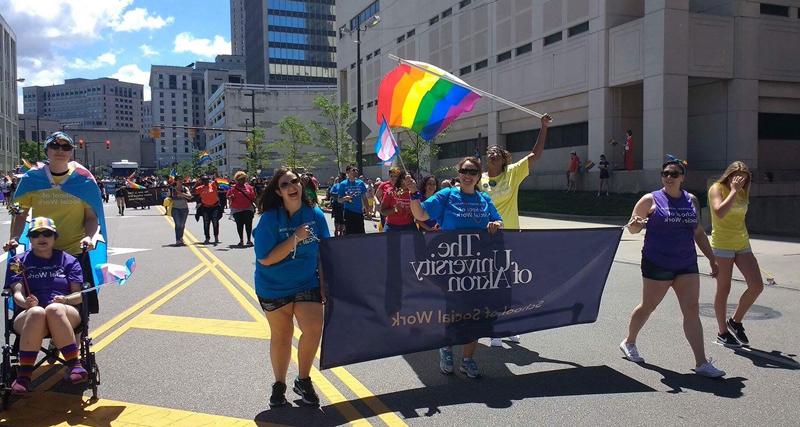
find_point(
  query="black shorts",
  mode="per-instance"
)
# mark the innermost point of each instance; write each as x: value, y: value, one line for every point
x: 337, y: 212
x: 604, y: 174
x: 272, y: 304
x: 353, y: 222
x: 654, y: 272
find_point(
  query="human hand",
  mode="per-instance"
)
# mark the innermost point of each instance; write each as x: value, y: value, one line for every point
x: 302, y: 232
x: 410, y: 184
x: 714, y: 267
x: 31, y: 301
x: 637, y: 220
x: 493, y: 226
x: 61, y: 299
x: 737, y: 183
x: 86, y: 243
x: 546, y: 120
x: 348, y: 199
x: 11, y: 244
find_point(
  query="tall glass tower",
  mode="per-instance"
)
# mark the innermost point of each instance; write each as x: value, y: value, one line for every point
x: 290, y: 42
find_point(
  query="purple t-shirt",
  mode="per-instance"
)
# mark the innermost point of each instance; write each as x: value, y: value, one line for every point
x: 669, y: 241
x: 48, y: 278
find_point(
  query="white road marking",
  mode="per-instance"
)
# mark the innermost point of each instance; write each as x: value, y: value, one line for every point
x: 121, y: 251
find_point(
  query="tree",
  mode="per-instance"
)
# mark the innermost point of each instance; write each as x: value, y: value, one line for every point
x: 333, y: 133
x: 29, y: 150
x: 257, y: 155
x: 293, y: 147
x: 417, y: 154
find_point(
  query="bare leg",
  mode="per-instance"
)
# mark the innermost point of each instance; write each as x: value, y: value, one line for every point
x: 281, y: 326
x: 653, y: 292
x: 687, y: 289
x: 309, y: 319
x: 61, y: 321
x: 748, y: 265
x: 469, y: 349
x: 723, y: 290
x: 32, y: 327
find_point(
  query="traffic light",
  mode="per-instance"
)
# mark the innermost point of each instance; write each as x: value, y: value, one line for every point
x: 80, y: 143
x: 108, y: 144
x: 155, y: 132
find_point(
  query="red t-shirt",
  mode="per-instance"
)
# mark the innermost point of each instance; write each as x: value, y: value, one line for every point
x: 242, y: 196
x: 573, y: 164
x: 384, y: 188
x: 403, y: 216
x: 208, y: 194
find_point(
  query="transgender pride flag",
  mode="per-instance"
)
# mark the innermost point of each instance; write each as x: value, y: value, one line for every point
x: 385, y: 145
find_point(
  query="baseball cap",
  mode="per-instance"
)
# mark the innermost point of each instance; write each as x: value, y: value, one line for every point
x: 55, y: 136
x: 42, y: 223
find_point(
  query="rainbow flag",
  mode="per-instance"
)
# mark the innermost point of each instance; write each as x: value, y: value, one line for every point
x: 422, y: 101
x: 135, y: 186
x: 223, y: 184
x: 204, y: 158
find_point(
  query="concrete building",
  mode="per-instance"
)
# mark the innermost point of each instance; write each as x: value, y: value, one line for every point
x: 147, y: 118
x: 9, y: 139
x: 237, y: 27
x: 705, y: 80
x: 103, y: 103
x: 234, y: 106
x: 31, y: 129
x: 179, y: 96
x: 290, y: 42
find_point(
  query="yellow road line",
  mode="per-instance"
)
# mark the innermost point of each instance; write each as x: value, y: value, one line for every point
x: 130, y: 310
x: 389, y: 417
x: 197, y: 325
x: 54, y: 378
x: 127, y: 325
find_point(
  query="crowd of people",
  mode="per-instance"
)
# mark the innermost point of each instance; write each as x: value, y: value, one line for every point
x: 288, y: 273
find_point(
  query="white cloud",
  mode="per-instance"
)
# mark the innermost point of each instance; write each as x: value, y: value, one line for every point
x: 138, y: 19
x: 186, y: 42
x: 133, y: 74
x: 148, y: 50
x: 104, y: 60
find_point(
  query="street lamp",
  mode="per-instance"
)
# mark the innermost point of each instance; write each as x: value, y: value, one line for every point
x: 370, y: 22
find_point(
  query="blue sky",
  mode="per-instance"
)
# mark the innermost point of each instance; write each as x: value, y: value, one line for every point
x: 61, y: 39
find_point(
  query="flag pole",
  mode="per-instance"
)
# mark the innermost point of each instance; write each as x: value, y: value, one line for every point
x: 472, y: 88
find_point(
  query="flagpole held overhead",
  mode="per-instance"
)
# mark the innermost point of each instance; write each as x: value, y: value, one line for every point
x: 472, y: 88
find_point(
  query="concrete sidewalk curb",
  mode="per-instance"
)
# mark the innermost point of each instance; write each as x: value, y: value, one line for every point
x: 613, y: 220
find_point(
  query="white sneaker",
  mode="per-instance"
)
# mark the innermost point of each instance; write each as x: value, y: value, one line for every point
x: 496, y: 342
x: 631, y: 352
x: 514, y: 339
x: 709, y: 370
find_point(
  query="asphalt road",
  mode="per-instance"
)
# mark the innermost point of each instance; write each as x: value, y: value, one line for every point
x: 184, y: 343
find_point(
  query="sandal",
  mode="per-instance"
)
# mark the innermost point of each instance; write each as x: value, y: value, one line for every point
x: 76, y: 374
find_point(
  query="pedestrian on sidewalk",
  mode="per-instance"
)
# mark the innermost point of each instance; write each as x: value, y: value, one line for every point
x: 603, y: 165
x: 287, y: 279
x: 119, y: 197
x: 572, y: 171
x: 629, y: 150
x: 242, y: 198
x: 181, y: 197
x: 209, y: 207
x: 728, y: 198
x: 669, y: 260
x: 458, y: 208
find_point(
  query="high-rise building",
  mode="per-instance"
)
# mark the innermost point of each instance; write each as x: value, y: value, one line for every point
x: 9, y: 133
x: 104, y: 103
x: 237, y: 27
x: 179, y: 96
x: 290, y: 42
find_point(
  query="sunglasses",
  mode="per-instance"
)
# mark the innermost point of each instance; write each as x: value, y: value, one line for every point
x: 286, y: 184
x: 62, y: 147
x: 471, y: 172
x: 671, y: 174
x: 45, y: 233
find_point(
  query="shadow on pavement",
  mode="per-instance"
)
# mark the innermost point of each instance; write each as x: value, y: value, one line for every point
x: 774, y: 359
x: 47, y: 409
x: 730, y: 387
x: 298, y: 415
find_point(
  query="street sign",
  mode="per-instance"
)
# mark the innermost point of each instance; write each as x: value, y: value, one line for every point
x: 353, y: 129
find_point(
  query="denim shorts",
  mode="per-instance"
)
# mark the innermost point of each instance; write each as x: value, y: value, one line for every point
x: 654, y: 272
x: 730, y: 253
x: 272, y: 304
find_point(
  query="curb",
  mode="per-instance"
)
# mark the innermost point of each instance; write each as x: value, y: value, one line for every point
x: 614, y: 220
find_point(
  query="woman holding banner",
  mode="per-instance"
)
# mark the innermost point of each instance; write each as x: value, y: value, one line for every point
x: 669, y: 260
x: 287, y: 279
x: 429, y: 187
x: 458, y: 208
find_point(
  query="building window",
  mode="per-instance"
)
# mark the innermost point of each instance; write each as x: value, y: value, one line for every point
x: 577, y: 29
x: 401, y: 38
x: 465, y: 70
x: 774, y: 9
x: 481, y: 64
x: 557, y: 137
x: 433, y: 20
x: 464, y: 3
x: 447, y: 12
x: 411, y: 33
x: 455, y: 149
x: 778, y: 126
x: 527, y: 47
x: 552, y: 38
x: 504, y: 56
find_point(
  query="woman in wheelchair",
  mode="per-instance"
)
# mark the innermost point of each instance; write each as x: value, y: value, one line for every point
x: 46, y: 288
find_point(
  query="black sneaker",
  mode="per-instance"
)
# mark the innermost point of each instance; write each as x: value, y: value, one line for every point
x: 737, y: 330
x: 305, y: 389
x: 728, y: 340
x: 278, y: 397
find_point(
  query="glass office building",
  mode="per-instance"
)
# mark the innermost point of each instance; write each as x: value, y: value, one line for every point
x: 290, y: 42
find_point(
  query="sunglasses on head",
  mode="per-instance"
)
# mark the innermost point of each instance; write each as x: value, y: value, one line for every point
x: 469, y: 171
x: 62, y: 147
x: 671, y: 174
x: 286, y: 184
x: 44, y: 233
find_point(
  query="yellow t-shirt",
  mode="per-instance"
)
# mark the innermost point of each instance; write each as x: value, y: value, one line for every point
x: 66, y: 210
x: 504, y: 189
x: 730, y: 232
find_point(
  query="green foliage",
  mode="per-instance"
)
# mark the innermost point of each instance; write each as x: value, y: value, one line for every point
x: 332, y: 134
x: 257, y: 155
x: 416, y: 153
x: 30, y: 151
x: 294, y: 146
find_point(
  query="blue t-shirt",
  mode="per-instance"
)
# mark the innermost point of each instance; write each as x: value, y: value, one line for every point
x: 455, y: 210
x: 355, y: 189
x: 291, y: 275
x: 334, y: 192
x: 48, y: 278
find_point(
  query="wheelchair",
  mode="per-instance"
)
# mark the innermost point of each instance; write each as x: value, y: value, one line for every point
x: 8, y: 369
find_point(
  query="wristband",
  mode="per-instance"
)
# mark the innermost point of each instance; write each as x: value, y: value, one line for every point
x: 417, y: 196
